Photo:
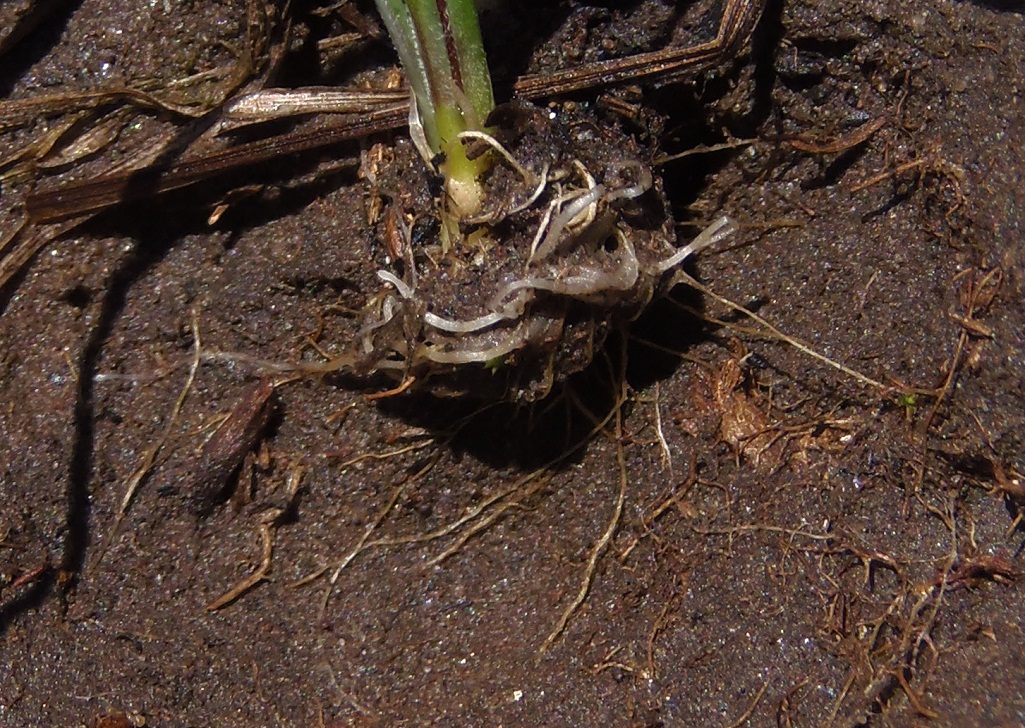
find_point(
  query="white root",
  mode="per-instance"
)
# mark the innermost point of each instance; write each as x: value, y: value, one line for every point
x: 717, y: 231
x: 528, y: 177
x: 542, y: 182
x: 638, y: 188
x: 590, y: 183
x: 539, y: 181
x: 365, y: 335
x: 512, y: 309
x: 589, y: 212
x: 563, y: 219
x: 520, y: 287
x: 585, y: 281
x: 513, y: 341
x: 397, y: 283
x: 561, y: 263
x: 546, y: 219
x: 463, y: 327
x: 587, y: 204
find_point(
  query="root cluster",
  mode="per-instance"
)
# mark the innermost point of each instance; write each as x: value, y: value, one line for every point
x: 577, y: 236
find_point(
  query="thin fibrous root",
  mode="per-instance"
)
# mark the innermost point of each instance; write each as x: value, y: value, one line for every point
x: 534, y: 485
x: 719, y: 230
x: 776, y: 333
x: 599, y: 547
x: 563, y: 219
x: 528, y: 177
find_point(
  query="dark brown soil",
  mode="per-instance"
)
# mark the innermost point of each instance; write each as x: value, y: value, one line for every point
x: 796, y: 546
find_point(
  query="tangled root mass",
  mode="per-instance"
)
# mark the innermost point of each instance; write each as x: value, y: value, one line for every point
x: 575, y: 237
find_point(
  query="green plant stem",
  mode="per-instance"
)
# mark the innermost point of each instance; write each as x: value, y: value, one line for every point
x: 473, y: 64
x: 439, y: 44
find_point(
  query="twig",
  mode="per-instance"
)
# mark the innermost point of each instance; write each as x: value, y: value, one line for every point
x: 792, y: 532
x: 703, y: 149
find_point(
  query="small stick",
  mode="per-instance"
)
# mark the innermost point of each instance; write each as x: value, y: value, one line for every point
x: 91, y: 196
x: 149, y: 456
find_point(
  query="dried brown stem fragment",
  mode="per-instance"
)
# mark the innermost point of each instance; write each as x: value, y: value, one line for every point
x: 92, y: 196
x: 738, y: 20
x: 224, y: 451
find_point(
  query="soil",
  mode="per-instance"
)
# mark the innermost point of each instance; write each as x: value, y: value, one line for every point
x: 777, y: 541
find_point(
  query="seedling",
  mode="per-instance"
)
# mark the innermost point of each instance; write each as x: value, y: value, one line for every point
x: 546, y: 243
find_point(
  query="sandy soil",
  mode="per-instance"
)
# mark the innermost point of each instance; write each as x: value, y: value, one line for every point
x: 791, y: 544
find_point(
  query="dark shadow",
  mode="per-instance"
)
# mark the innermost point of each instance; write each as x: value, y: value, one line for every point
x: 514, y: 34
x: 529, y: 435
x: 523, y: 435
x: 662, y: 335
x: 687, y: 104
x: 30, y: 599
x: 1011, y: 6
x: 180, y: 214
x: 154, y: 237
x: 836, y: 169
x: 898, y: 197
x: 32, y: 37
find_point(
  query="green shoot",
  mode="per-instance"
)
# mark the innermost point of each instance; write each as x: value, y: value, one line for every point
x: 439, y: 45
